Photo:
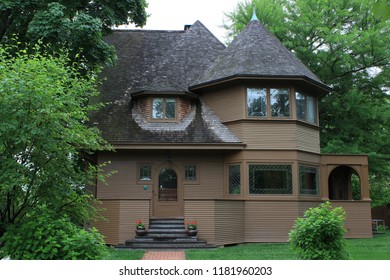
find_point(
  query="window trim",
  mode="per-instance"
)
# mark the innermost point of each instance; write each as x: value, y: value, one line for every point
x: 228, y: 179
x: 268, y: 115
x: 306, y: 107
x: 139, y: 179
x: 318, y: 191
x: 191, y: 182
x: 290, y: 164
x: 164, y: 119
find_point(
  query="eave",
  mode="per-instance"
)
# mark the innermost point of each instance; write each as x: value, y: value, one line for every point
x: 177, y: 146
x: 163, y: 92
x: 242, y: 77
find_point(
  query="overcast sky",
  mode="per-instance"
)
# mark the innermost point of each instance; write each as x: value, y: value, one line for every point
x: 174, y: 14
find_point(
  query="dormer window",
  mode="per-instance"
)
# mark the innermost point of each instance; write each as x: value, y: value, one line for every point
x: 164, y: 108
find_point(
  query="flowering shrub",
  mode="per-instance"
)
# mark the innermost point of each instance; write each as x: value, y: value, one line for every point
x: 192, y: 225
x: 140, y: 225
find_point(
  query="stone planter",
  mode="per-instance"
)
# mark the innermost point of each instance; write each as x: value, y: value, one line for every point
x: 192, y: 232
x: 141, y: 232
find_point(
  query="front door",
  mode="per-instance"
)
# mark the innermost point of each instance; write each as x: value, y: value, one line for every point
x: 167, y: 197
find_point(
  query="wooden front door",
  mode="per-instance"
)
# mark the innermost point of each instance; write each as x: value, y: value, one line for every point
x: 167, y: 194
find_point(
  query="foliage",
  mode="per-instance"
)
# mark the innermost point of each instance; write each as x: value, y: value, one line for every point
x: 192, y: 225
x: 46, y: 236
x: 76, y: 25
x: 319, y: 235
x: 346, y: 45
x: 44, y: 142
x: 140, y: 225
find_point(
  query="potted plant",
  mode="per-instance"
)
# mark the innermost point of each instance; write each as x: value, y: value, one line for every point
x: 192, y: 228
x: 140, y: 228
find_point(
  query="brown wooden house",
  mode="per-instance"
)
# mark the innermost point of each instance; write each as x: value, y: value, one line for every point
x: 226, y: 136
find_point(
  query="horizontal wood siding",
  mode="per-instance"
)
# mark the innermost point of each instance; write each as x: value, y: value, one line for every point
x: 267, y: 221
x: 210, y: 182
x: 131, y: 211
x: 358, y: 218
x: 229, y: 222
x: 109, y: 227
x: 265, y: 135
x: 203, y: 212
x: 308, y: 139
x: 233, y: 98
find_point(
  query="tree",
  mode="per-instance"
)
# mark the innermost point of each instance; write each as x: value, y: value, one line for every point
x: 346, y: 46
x: 43, y: 136
x: 77, y: 25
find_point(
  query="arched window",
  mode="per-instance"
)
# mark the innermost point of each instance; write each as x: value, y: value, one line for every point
x: 167, y: 182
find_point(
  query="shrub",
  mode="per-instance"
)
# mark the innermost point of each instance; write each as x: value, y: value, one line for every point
x: 319, y: 235
x: 47, y: 237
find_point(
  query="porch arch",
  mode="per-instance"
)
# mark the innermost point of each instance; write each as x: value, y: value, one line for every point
x: 344, y: 183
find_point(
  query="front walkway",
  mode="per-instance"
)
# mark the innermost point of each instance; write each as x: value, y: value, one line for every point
x: 164, y: 255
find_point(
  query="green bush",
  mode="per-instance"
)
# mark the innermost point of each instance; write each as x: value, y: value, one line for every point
x: 44, y: 236
x: 319, y: 235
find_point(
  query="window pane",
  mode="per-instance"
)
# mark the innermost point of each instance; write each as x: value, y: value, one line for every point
x: 280, y: 102
x: 300, y: 101
x: 311, y: 109
x: 270, y: 179
x: 234, y: 179
x: 190, y: 172
x: 257, y: 102
x: 145, y: 172
x: 157, y: 110
x: 308, y: 180
x: 170, y: 108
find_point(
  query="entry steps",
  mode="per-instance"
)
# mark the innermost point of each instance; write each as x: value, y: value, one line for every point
x: 166, y: 234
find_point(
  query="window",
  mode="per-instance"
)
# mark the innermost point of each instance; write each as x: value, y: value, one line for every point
x: 190, y: 173
x: 280, y: 102
x: 308, y: 180
x: 234, y: 171
x: 270, y: 179
x: 145, y: 172
x: 257, y: 102
x: 306, y: 107
x: 164, y: 108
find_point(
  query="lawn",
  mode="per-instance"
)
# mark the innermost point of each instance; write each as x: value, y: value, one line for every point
x: 377, y: 248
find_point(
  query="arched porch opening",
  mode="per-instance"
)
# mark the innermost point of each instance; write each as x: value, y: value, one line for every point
x: 344, y: 184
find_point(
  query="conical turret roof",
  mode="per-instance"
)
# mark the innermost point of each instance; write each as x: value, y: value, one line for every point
x: 255, y: 52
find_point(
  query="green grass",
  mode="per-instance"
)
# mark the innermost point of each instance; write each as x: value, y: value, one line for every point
x: 377, y: 248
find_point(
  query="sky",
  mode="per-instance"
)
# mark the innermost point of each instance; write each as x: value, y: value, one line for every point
x: 174, y: 14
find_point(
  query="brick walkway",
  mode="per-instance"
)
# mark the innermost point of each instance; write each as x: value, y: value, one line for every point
x: 164, y: 255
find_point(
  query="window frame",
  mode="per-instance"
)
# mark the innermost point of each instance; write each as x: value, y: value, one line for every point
x: 164, y: 106
x: 306, y: 107
x: 228, y: 178
x: 268, y: 113
x: 264, y: 164
x: 191, y: 182
x: 139, y: 179
x: 301, y: 166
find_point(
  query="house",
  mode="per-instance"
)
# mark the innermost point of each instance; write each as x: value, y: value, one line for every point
x: 226, y: 136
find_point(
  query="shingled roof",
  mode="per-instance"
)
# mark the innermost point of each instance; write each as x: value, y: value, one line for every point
x: 159, y: 62
x: 255, y: 52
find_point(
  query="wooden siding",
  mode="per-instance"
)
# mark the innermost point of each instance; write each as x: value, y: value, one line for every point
x: 131, y: 211
x: 120, y: 217
x: 308, y: 139
x: 229, y: 222
x: 210, y: 182
x: 276, y: 135
x: 203, y: 212
x: 109, y: 227
x: 267, y: 221
x: 358, y: 218
x: 233, y: 98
